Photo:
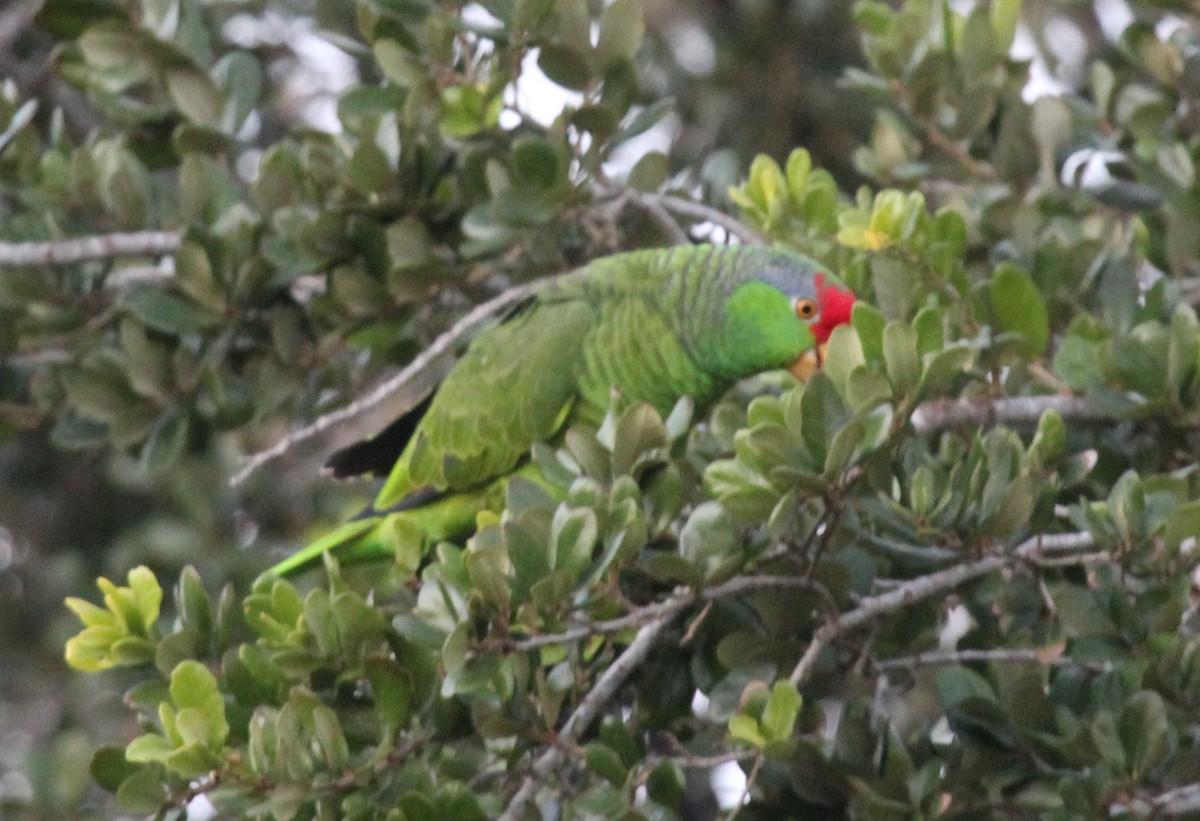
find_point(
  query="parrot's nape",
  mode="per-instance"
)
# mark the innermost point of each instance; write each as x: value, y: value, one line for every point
x: 654, y: 326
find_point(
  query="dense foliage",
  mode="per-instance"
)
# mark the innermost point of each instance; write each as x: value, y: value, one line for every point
x: 952, y: 575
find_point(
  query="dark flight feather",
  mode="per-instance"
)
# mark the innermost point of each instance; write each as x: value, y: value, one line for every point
x: 378, y: 454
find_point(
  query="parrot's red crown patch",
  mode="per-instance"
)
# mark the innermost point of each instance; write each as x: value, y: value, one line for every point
x: 836, y: 305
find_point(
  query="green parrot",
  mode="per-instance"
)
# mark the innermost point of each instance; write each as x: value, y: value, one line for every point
x: 652, y: 325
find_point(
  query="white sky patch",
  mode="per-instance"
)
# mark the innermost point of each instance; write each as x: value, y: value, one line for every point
x: 474, y: 14
x: 536, y: 96
x: 201, y: 809
x: 1041, y: 83
x: 247, y: 164
x: 940, y: 733
x: 660, y: 137
x: 1114, y: 16
x: 16, y: 787
x: 1166, y: 28
x: 728, y: 784
x: 691, y: 46
x: 958, y: 623
x: 1069, y: 47
x: 1088, y: 169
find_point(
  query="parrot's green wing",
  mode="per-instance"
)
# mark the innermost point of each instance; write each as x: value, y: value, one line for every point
x: 513, y: 387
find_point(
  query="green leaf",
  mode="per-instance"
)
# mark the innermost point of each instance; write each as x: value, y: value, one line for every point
x: 745, y: 729
x: 1146, y: 733
x: 1107, y: 741
x: 958, y: 684
x: 193, y: 602
x: 565, y: 66
x: 535, y: 163
x: 147, y: 748
x: 143, y: 792
x: 167, y: 441
x: 1018, y: 306
x: 110, y: 767
x: 710, y: 540
x: 399, y: 64
x: 868, y: 324
x: 621, y: 30
x: 900, y: 357
x: 604, y: 762
x: 944, y: 367
x: 843, y: 447
x: 166, y: 312
x: 239, y: 76
x: 1080, y: 362
x: 665, y: 784
x: 194, y: 687
x: 1183, y: 523
x: 486, y: 568
x: 649, y: 172
x: 779, y: 715
x: 573, y: 534
x: 196, y: 97
x: 369, y: 169
x: 843, y: 354
x: 1005, y: 15
x: 638, y: 430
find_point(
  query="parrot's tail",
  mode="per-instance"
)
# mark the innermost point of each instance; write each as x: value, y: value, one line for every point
x: 404, y: 533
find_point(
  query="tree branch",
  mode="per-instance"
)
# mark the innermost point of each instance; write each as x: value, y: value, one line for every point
x: 660, y: 204
x: 654, y: 206
x: 1178, y: 801
x: 943, y: 414
x: 1003, y: 655
x: 82, y: 249
x: 650, y: 612
x: 442, y: 345
x: 589, y: 708
x: 606, y: 686
x: 705, y: 213
x: 925, y: 586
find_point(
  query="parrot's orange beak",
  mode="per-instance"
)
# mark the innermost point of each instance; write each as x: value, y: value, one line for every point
x: 808, y: 363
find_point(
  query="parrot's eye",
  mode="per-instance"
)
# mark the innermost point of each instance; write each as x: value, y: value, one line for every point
x: 806, y: 308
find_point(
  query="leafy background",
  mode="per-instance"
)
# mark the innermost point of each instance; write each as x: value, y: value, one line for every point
x: 1011, y: 191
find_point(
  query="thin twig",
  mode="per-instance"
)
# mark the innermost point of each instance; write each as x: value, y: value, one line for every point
x: 1182, y: 800
x: 751, y: 779
x: 650, y: 612
x: 706, y: 213
x: 924, y: 587
x: 700, y: 762
x: 587, y: 711
x: 694, y: 627
x: 944, y: 414
x: 158, y: 274
x: 82, y: 249
x: 1003, y: 656
x: 443, y: 344
x: 1099, y: 557
x: 656, y: 204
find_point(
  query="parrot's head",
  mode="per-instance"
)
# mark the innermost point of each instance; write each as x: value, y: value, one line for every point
x: 830, y: 308
x: 784, y: 310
